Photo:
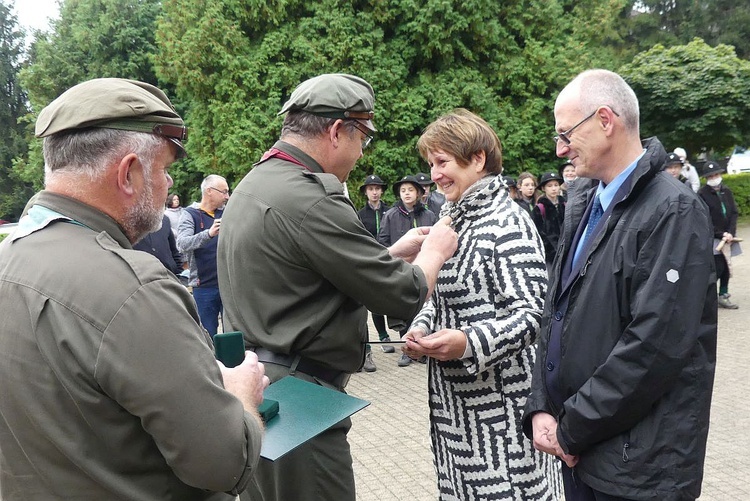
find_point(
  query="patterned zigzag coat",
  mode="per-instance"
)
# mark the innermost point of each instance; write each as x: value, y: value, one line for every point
x: 492, y: 289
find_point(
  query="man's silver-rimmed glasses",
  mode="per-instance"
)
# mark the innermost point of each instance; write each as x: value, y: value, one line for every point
x: 565, y: 136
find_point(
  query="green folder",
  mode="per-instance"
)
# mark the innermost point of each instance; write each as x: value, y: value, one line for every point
x: 305, y: 410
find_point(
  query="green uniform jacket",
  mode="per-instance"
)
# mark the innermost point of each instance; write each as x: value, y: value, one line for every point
x: 296, y: 265
x: 109, y: 385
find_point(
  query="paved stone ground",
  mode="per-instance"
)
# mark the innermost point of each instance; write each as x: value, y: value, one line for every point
x: 390, y: 442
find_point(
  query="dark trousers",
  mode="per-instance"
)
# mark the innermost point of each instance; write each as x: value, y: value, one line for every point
x: 576, y: 490
x: 722, y: 273
x: 379, y: 322
x: 208, y: 301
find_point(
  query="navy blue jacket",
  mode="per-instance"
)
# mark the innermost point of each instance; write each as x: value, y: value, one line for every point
x: 161, y: 244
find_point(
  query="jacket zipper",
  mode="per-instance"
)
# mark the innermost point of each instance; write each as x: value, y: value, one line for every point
x: 625, y: 447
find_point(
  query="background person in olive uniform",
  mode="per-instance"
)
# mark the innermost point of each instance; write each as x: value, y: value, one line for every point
x: 110, y: 389
x: 298, y: 270
x: 371, y: 216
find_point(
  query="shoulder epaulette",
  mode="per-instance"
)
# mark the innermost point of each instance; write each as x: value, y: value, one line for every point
x: 330, y: 183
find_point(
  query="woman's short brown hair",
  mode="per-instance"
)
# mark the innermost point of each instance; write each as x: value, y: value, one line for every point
x: 463, y: 134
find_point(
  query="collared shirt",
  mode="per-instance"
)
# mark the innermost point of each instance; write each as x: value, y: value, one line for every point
x: 606, y: 194
x: 87, y: 325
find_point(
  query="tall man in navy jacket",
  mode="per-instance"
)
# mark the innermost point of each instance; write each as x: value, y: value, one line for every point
x: 627, y: 349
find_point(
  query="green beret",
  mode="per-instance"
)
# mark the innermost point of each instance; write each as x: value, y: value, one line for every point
x: 113, y: 103
x: 334, y: 95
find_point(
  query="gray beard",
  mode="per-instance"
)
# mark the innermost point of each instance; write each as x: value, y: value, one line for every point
x: 142, y: 218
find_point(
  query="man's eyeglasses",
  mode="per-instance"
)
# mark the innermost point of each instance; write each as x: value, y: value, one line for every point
x: 223, y: 192
x: 368, y: 135
x: 565, y: 136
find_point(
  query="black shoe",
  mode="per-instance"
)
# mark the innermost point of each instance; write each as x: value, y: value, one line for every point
x: 386, y: 347
x: 404, y: 361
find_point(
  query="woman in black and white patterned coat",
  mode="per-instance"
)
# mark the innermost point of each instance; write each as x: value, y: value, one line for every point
x: 481, y: 323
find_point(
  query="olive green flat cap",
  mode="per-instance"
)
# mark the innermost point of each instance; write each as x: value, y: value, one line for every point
x: 334, y: 95
x: 113, y: 103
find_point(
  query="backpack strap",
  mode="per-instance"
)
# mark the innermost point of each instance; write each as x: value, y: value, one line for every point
x: 542, y: 210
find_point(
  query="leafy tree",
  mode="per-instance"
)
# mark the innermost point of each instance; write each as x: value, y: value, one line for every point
x: 13, y: 191
x: 693, y: 95
x: 237, y: 61
x: 91, y: 39
x: 644, y: 23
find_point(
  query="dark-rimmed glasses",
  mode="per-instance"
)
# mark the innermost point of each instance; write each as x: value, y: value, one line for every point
x: 368, y: 135
x: 565, y: 136
x: 223, y: 192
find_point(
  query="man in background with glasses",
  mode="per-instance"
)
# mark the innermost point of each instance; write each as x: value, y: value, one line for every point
x: 198, y: 238
x: 298, y: 271
x: 627, y: 347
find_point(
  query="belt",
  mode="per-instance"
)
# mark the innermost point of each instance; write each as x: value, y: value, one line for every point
x: 336, y: 378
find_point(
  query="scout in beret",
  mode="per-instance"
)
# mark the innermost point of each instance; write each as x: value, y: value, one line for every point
x: 548, y: 213
x: 673, y: 166
x: 410, y: 180
x: 724, y: 213
x: 371, y: 215
x: 433, y: 200
x: 372, y: 180
x: 547, y: 177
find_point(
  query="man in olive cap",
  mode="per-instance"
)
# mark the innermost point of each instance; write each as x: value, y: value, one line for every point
x: 110, y: 386
x: 298, y: 270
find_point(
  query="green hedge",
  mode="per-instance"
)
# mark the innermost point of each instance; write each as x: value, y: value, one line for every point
x: 740, y: 186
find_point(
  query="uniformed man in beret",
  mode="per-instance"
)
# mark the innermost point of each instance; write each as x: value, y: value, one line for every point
x: 298, y: 270
x: 110, y: 389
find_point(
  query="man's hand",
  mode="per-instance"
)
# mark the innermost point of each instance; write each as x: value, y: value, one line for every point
x: 437, y: 248
x: 442, y: 239
x: 214, y: 229
x: 545, y: 437
x: 445, y: 344
x: 246, y: 381
x: 408, y: 246
x: 441, y: 236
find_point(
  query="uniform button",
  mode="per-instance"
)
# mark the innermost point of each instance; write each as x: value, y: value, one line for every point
x: 558, y: 315
x: 550, y: 366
